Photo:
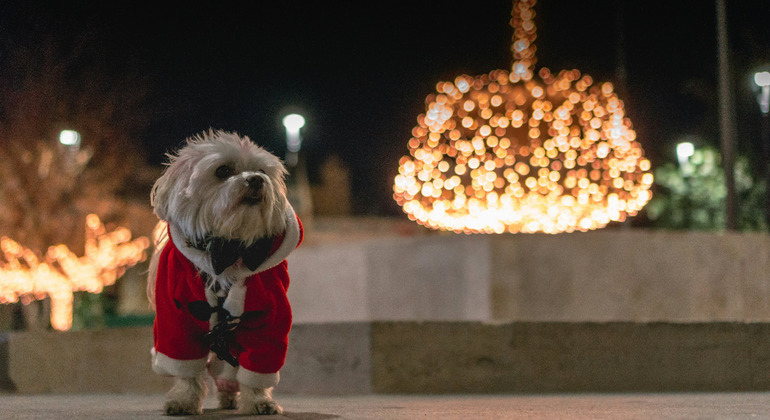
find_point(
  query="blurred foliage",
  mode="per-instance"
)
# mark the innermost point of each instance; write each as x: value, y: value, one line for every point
x: 91, y: 310
x: 693, y: 196
x: 88, y: 311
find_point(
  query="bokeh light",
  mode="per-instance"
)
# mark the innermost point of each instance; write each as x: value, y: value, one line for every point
x: 107, y: 255
x: 509, y: 152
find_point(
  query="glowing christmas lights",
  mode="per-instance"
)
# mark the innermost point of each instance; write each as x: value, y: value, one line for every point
x: 505, y: 152
x: 107, y: 255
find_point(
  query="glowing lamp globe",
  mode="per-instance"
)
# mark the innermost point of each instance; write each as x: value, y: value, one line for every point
x: 69, y: 137
x: 511, y: 152
x: 293, y: 122
x: 762, y: 78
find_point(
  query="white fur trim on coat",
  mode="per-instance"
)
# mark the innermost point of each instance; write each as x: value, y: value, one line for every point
x: 236, y: 297
x: 257, y: 380
x: 166, y: 366
x: 290, y: 242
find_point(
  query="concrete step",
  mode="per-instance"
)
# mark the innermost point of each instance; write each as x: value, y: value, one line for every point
x: 593, y: 406
x: 427, y: 357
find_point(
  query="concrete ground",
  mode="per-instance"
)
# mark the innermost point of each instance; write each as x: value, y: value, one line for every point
x: 556, y: 406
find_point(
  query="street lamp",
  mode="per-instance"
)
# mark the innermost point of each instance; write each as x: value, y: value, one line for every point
x: 70, y: 138
x: 684, y: 151
x: 762, y: 80
x: 297, y: 185
x: 293, y: 122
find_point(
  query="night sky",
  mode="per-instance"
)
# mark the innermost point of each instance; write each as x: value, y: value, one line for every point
x: 360, y: 71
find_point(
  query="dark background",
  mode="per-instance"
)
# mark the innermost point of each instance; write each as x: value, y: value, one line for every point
x: 360, y: 71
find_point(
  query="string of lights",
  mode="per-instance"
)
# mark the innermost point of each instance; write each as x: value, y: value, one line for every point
x: 107, y: 255
x: 511, y: 152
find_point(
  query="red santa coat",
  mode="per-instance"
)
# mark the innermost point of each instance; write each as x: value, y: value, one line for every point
x: 260, y: 340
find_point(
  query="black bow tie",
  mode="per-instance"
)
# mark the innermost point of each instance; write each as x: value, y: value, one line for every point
x: 225, y: 252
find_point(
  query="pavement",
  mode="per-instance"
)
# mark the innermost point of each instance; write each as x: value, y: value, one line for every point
x: 751, y: 405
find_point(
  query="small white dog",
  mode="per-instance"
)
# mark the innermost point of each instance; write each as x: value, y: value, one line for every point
x: 218, y: 278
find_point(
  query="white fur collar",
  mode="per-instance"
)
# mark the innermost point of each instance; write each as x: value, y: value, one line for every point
x: 237, y: 273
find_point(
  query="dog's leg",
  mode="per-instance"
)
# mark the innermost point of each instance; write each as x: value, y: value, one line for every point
x: 258, y: 401
x: 185, y: 397
x: 228, y: 393
x: 228, y: 400
x: 227, y: 385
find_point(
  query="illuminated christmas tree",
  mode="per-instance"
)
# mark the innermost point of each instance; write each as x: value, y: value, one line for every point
x: 515, y: 151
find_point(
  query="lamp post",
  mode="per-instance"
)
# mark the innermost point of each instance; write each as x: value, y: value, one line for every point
x: 297, y: 185
x: 762, y: 80
x: 684, y: 152
x: 71, y: 140
x: 293, y: 123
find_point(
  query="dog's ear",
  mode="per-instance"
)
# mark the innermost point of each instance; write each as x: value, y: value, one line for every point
x: 274, y: 214
x: 161, y: 195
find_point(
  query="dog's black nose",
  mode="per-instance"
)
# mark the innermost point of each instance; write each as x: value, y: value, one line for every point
x: 255, y: 182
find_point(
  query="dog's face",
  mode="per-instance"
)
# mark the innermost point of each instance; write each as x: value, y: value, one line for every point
x: 222, y: 185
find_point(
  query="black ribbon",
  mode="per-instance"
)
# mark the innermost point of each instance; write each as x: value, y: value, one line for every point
x: 201, y: 310
x: 226, y: 252
x: 222, y: 333
x: 220, y: 336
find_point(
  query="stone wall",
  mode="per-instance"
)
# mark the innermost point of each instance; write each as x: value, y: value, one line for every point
x: 620, y: 310
x: 632, y: 275
x: 430, y: 357
x: 611, y: 275
x: 415, y: 278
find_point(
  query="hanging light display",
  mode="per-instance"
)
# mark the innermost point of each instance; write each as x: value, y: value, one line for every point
x: 511, y: 151
x: 107, y: 255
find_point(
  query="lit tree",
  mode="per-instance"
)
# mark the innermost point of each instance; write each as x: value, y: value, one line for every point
x: 523, y: 150
x: 47, y: 84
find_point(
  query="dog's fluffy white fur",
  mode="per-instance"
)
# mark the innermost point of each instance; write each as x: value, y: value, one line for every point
x: 195, y: 200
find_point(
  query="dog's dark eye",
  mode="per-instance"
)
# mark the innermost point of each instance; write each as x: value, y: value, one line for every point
x: 224, y: 172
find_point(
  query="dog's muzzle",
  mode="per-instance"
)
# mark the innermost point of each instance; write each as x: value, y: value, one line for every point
x: 255, y: 185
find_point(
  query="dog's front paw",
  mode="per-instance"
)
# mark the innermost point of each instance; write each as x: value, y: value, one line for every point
x: 262, y: 407
x: 185, y: 397
x: 258, y: 401
x: 182, y: 408
x: 228, y: 400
